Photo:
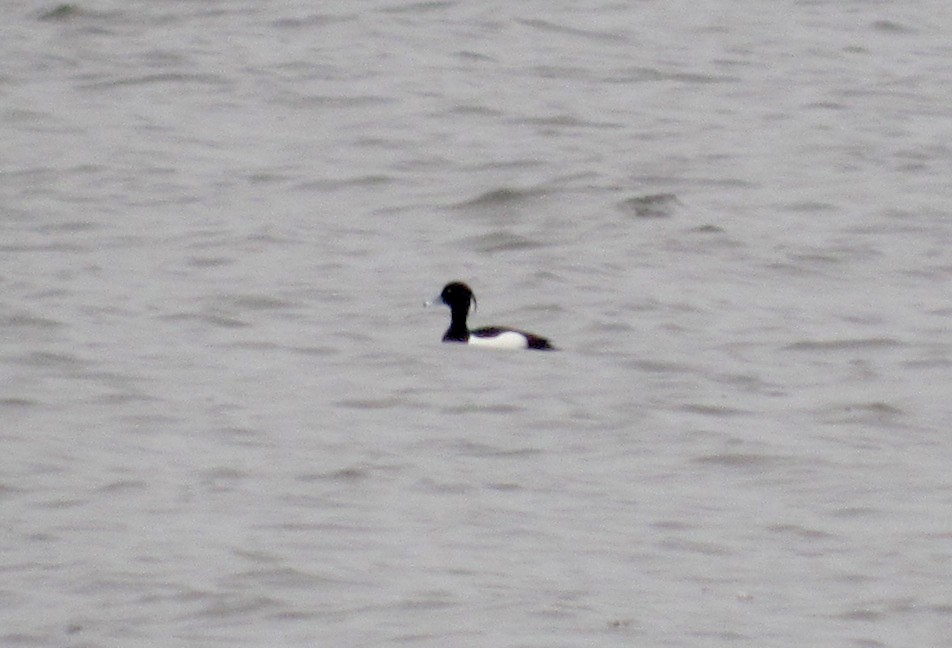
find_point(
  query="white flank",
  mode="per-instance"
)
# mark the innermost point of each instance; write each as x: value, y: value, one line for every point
x: 506, y: 340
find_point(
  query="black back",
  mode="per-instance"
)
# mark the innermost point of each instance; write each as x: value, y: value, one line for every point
x: 536, y: 342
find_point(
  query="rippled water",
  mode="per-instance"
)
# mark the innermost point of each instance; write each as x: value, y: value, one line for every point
x: 228, y: 421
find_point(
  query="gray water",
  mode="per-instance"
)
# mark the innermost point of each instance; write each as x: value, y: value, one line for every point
x: 227, y: 420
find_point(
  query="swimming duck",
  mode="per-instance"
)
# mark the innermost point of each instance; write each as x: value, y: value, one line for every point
x: 458, y: 296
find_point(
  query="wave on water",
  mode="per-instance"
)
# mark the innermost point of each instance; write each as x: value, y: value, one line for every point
x: 661, y: 205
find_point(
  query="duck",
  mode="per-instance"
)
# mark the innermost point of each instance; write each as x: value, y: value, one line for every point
x: 458, y: 296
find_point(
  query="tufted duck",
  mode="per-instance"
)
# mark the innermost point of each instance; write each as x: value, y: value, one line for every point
x: 458, y: 296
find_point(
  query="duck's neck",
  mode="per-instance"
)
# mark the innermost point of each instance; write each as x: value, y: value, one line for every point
x: 457, y: 332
